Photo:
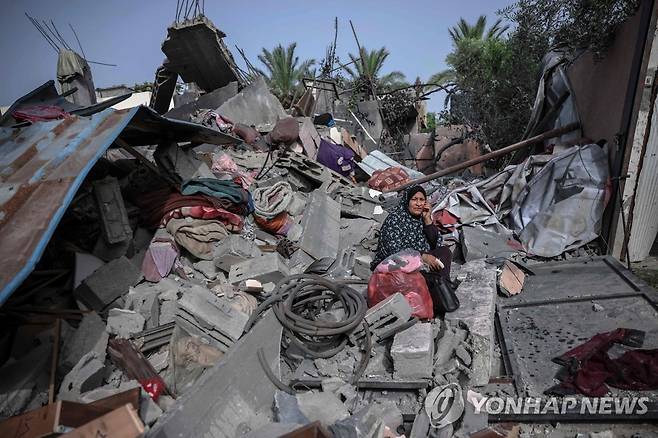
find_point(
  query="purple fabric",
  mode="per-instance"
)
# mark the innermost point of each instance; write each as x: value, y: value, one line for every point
x: 336, y: 157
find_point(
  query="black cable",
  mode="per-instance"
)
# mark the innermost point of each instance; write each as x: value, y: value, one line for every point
x: 270, y: 375
x: 367, y: 349
x: 299, y: 299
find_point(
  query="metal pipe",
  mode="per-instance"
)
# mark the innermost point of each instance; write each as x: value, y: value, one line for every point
x: 495, y: 154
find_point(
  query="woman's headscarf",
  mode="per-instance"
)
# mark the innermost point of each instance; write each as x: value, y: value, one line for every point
x: 401, y: 230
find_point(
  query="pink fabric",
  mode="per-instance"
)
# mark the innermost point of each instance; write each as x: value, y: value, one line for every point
x: 232, y: 221
x: 225, y: 168
x: 160, y: 257
x: 406, y: 261
x: 39, y: 113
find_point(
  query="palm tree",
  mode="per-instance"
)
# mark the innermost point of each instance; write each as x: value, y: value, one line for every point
x: 284, y: 72
x: 463, y: 30
x: 368, y: 67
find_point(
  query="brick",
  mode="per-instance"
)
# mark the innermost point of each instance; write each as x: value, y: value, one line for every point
x: 267, y: 268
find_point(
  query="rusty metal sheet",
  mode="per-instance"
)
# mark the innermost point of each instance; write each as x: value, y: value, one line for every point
x: 43, y: 165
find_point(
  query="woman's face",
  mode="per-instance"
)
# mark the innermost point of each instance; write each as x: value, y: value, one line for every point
x: 417, y: 204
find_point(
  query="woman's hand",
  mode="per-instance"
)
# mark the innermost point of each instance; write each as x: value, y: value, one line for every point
x: 427, y: 214
x: 431, y: 261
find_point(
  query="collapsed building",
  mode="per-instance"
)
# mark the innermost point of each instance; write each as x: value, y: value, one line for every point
x: 204, y: 270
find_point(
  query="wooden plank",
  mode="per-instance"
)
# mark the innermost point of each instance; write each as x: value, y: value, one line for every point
x: 120, y: 423
x: 34, y: 424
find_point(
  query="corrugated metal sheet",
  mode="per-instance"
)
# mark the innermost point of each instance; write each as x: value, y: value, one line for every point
x: 43, y: 165
x: 644, y: 227
x: 377, y: 160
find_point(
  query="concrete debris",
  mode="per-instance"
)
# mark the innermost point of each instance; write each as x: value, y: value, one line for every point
x: 124, y: 323
x: 116, y: 226
x: 89, y: 336
x: 254, y: 106
x: 413, y: 352
x: 85, y: 375
x: 232, y: 250
x: 324, y: 407
x: 213, y: 318
x: 108, y: 284
x: 286, y: 409
x: 321, y: 224
x: 478, y: 243
x: 477, y: 296
x: 385, y: 318
x: 266, y: 268
x: 20, y: 378
x: 146, y: 304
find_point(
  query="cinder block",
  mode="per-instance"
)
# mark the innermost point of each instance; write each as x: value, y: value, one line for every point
x: 269, y: 268
x: 385, y: 318
x: 211, y: 317
x: 86, y: 375
x: 114, y: 218
x: 108, y: 283
x: 413, y: 352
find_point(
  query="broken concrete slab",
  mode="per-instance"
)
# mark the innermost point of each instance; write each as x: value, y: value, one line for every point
x: 254, y: 106
x: 211, y: 100
x: 309, y: 137
x: 477, y: 297
x: 478, y: 243
x: 108, y: 283
x: 207, y: 268
x: 270, y: 267
x: 89, y: 336
x: 324, y: 407
x: 413, y: 352
x: 213, y: 318
x: 234, y: 249
x: 321, y: 223
x: 286, y: 409
x: 146, y: 304
x: 124, y: 323
x: 246, y: 390
x: 195, y: 50
x: 181, y: 163
x: 362, y: 266
x: 113, y: 214
x: 86, y: 375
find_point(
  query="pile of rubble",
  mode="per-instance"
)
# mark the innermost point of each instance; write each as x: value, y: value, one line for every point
x: 208, y: 274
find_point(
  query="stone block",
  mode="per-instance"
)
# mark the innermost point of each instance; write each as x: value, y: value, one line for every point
x: 108, y: 283
x: 324, y: 407
x: 413, y: 352
x: 114, y: 217
x: 268, y: 268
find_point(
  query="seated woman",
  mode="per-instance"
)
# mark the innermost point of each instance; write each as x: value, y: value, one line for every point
x: 409, y: 226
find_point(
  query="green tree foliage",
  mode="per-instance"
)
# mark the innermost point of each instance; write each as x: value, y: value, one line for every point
x: 496, y: 73
x: 285, y: 72
x: 368, y: 66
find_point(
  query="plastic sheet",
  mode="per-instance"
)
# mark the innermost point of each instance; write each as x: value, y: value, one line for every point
x: 411, y: 285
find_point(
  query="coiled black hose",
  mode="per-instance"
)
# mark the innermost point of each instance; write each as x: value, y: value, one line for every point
x: 299, y: 299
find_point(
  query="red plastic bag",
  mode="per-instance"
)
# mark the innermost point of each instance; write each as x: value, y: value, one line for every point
x: 412, y: 286
x: 154, y: 386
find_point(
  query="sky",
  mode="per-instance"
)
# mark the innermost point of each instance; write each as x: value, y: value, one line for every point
x: 130, y: 33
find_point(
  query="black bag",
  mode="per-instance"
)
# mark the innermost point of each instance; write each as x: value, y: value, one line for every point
x: 442, y: 291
